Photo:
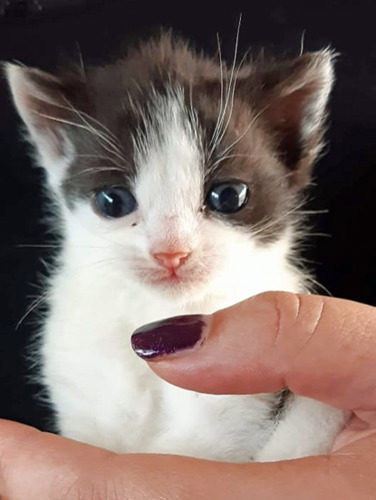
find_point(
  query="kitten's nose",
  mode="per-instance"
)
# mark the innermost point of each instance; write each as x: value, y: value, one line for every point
x: 171, y: 260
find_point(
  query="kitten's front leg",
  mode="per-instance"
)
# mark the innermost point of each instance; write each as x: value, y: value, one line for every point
x: 307, y: 428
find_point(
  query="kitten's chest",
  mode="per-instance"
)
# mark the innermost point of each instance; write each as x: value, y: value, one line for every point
x: 124, y: 407
x: 106, y: 396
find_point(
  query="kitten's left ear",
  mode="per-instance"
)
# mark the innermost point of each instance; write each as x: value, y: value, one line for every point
x: 291, y: 97
x: 42, y: 100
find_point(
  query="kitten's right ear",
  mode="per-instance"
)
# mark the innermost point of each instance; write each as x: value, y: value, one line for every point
x: 41, y: 101
x: 291, y: 96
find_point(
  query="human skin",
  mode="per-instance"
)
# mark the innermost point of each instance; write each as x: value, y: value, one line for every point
x: 324, y: 348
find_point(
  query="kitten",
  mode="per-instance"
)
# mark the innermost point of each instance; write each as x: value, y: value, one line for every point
x: 176, y: 182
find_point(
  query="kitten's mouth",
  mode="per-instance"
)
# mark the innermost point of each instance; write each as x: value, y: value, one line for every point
x: 173, y: 276
x: 169, y: 281
x: 172, y: 279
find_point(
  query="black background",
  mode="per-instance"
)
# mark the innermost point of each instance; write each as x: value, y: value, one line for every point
x: 43, y: 33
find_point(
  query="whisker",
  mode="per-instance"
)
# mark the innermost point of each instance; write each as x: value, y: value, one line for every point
x: 100, y: 157
x: 131, y: 103
x: 33, y: 306
x: 243, y: 133
x: 98, y: 169
x: 81, y: 61
x: 109, y: 138
x: 36, y: 246
x: 106, y: 138
x: 42, y: 298
x: 321, y: 235
x: 78, y: 125
x: 229, y: 86
x: 228, y: 157
x: 318, y: 284
x: 304, y: 260
x: 314, y: 212
x: 261, y: 228
x: 302, y: 40
x: 81, y: 114
x: 221, y: 98
x: 232, y: 98
x: 101, y: 235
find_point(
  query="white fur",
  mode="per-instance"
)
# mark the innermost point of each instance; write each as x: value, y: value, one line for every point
x: 103, y: 393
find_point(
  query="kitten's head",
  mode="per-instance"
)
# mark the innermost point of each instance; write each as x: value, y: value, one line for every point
x: 180, y: 172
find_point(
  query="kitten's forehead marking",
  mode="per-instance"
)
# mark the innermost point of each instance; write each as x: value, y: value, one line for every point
x: 169, y: 157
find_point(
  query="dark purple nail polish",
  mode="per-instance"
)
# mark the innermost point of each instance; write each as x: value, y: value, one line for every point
x: 168, y: 336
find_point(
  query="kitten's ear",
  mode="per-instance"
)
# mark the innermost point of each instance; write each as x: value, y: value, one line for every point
x: 292, y: 103
x: 42, y: 102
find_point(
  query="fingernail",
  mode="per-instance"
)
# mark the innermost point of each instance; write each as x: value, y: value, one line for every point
x: 169, y: 336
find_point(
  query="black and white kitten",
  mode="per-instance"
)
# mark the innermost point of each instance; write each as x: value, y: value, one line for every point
x: 177, y: 182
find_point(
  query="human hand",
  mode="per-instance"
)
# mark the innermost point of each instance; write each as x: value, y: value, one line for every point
x: 323, y: 348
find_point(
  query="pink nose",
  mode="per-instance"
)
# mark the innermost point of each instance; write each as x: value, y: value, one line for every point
x: 171, y: 260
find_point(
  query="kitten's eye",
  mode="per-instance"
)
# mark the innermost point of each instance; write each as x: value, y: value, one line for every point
x: 228, y: 197
x: 115, y: 202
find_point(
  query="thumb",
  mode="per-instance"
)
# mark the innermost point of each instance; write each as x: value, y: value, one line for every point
x: 319, y: 347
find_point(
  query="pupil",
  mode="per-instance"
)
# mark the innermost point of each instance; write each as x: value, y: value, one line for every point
x: 112, y: 204
x: 229, y: 198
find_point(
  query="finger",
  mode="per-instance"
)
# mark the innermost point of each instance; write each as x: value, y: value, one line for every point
x: 39, y: 466
x: 319, y: 347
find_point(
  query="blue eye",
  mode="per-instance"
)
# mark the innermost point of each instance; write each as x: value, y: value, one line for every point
x: 228, y: 197
x: 115, y: 202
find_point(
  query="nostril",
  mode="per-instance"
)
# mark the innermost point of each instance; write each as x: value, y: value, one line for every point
x: 171, y: 260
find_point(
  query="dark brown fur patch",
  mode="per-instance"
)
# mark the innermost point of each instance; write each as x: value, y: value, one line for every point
x: 261, y: 144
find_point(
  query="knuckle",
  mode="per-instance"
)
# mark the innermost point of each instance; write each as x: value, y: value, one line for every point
x: 310, y: 316
x: 298, y: 320
x: 299, y: 316
x: 286, y: 308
